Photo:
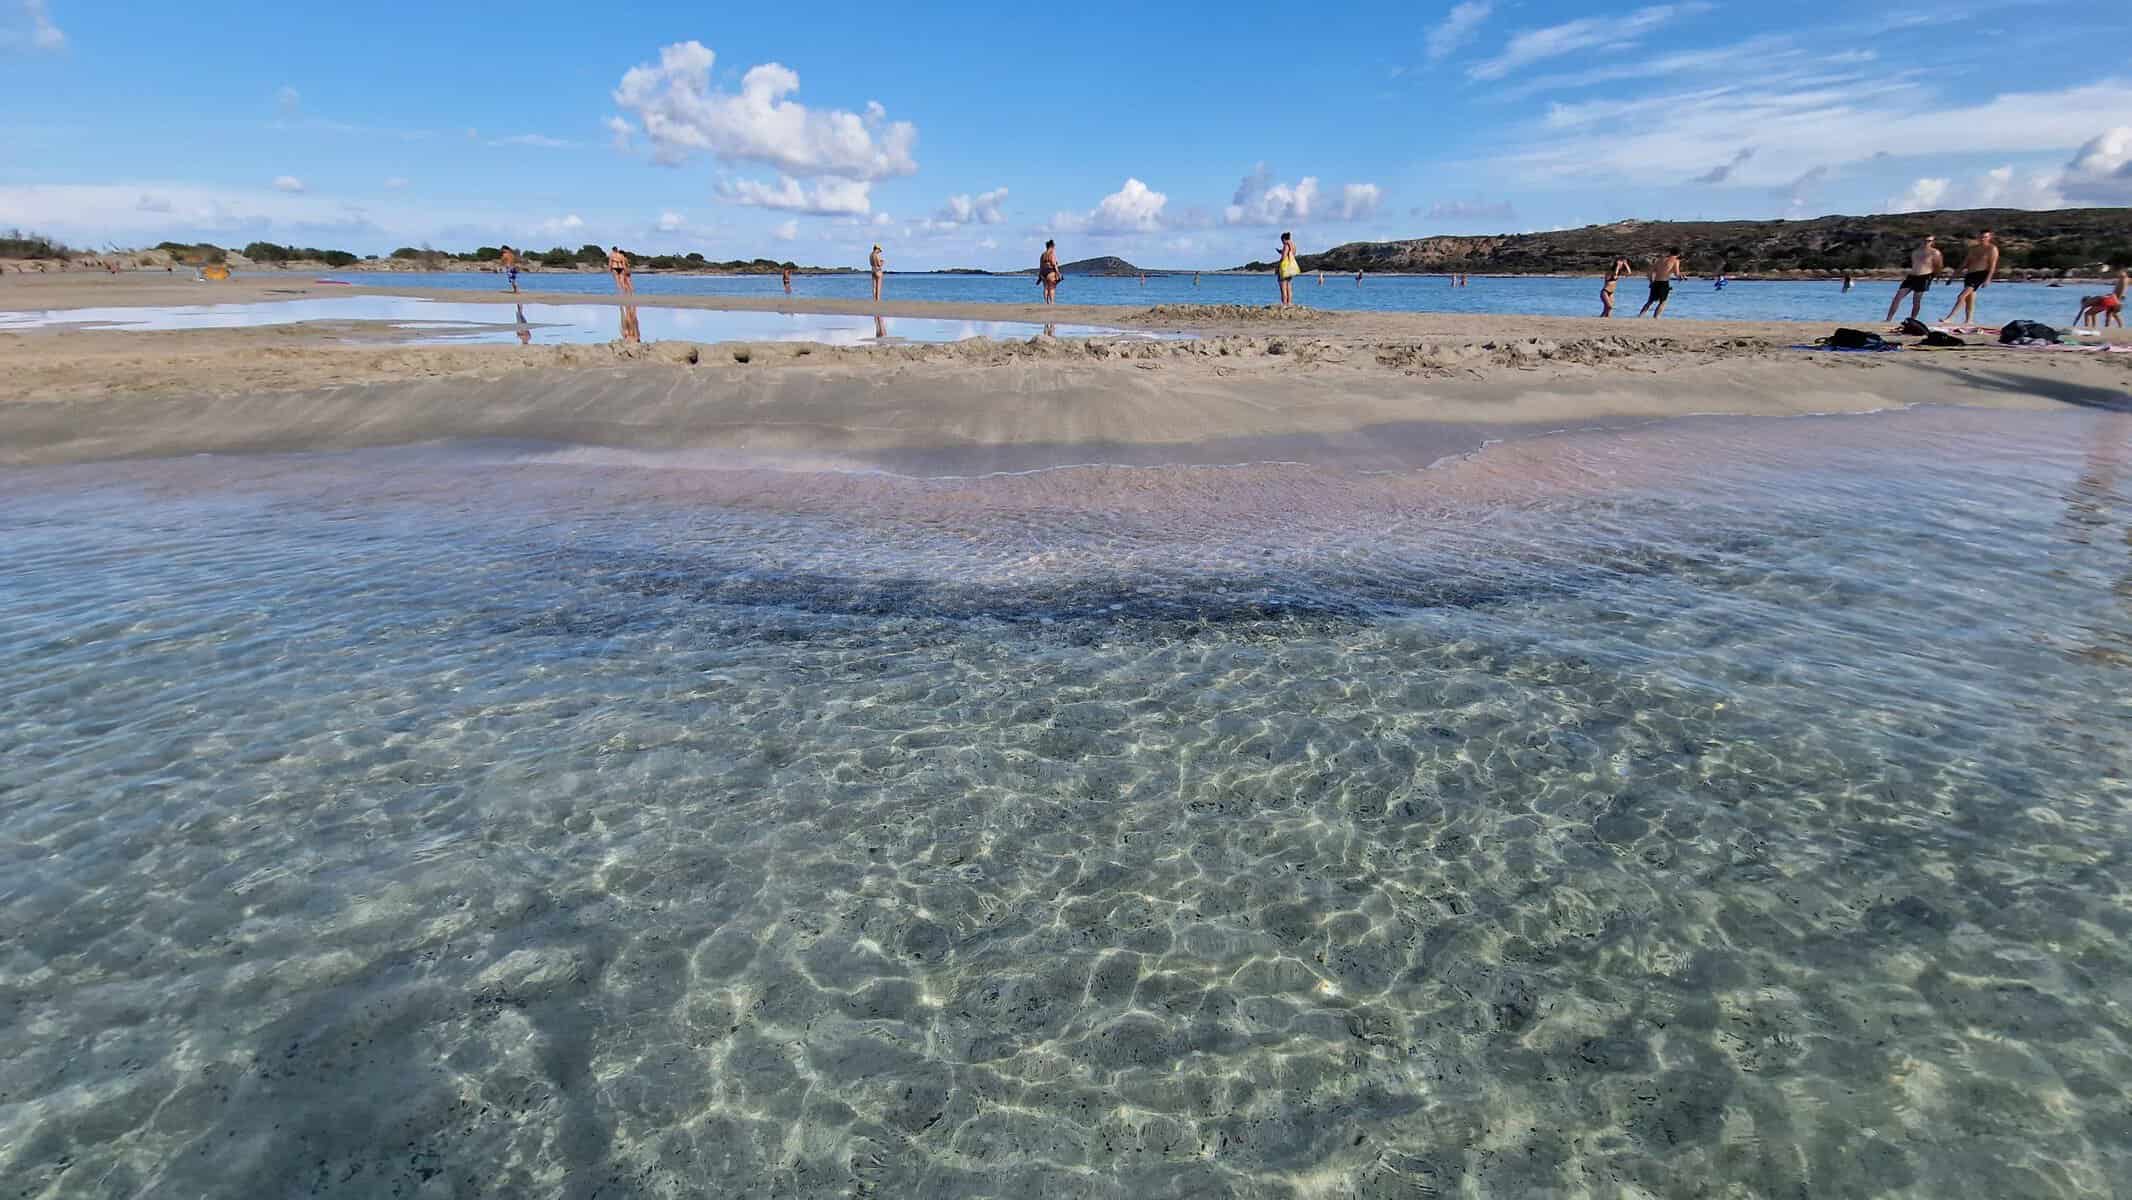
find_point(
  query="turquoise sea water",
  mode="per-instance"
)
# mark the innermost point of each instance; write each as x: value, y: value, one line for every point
x: 1865, y: 305
x: 1714, y: 808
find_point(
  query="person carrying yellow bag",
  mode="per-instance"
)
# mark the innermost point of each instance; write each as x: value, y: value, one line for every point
x: 1288, y: 270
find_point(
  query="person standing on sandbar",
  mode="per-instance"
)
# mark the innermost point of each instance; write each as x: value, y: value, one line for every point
x: 618, y: 263
x: 1979, y: 267
x: 1663, y: 273
x: 1925, y: 262
x: 510, y: 268
x: 1287, y: 269
x: 877, y: 264
x: 1047, y: 271
x: 785, y: 273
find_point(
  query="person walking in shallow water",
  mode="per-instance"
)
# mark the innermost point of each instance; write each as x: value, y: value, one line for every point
x: 618, y: 263
x: 510, y: 268
x: 1287, y: 269
x: 1047, y: 271
x: 786, y: 274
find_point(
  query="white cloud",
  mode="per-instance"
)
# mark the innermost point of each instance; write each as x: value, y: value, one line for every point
x: 1259, y: 200
x: 1797, y: 193
x: 1133, y: 208
x: 395, y: 182
x: 42, y: 33
x: 619, y: 132
x: 1682, y: 132
x: 541, y: 140
x: 981, y: 209
x: 827, y: 198
x: 1470, y: 211
x: 671, y: 222
x: 787, y: 231
x: 2101, y: 170
x: 988, y: 244
x: 1535, y: 45
x: 683, y: 115
x: 288, y: 183
x: 2001, y: 187
x: 287, y: 101
x: 558, y: 226
x: 1924, y: 195
x: 882, y: 219
x: 1359, y: 200
x: 1457, y: 28
x: 152, y: 204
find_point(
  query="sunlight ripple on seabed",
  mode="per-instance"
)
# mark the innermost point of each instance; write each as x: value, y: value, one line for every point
x: 1724, y: 805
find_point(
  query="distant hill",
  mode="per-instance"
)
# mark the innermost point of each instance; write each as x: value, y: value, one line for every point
x: 1109, y: 264
x: 2072, y: 239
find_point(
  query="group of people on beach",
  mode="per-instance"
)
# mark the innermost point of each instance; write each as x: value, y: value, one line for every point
x: 1980, y: 266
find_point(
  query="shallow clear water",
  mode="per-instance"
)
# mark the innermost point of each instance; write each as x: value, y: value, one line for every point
x: 1866, y: 304
x: 1719, y: 808
x: 442, y: 321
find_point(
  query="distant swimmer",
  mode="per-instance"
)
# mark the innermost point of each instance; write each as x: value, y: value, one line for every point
x: 1287, y: 269
x: 1719, y: 285
x: 876, y: 264
x: 510, y: 268
x: 1047, y: 271
x: 785, y: 273
x: 618, y: 263
x: 1358, y: 279
x: 1614, y: 274
x: 1925, y: 262
x: 1979, y: 267
x: 1321, y: 279
x: 1846, y: 281
x: 1663, y: 273
x: 1195, y: 279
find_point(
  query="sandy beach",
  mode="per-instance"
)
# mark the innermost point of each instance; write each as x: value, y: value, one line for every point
x: 1364, y: 388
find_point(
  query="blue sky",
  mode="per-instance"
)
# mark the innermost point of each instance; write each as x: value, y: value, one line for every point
x: 962, y: 136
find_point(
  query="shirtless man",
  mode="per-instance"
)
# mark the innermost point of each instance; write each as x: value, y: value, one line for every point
x: 877, y: 264
x: 618, y: 263
x: 510, y: 268
x: 1979, y: 267
x: 1925, y: 262
x: 1663, y: 273
x: 786, y: 274
x: 1614, y: 274
x: 1047, y: 271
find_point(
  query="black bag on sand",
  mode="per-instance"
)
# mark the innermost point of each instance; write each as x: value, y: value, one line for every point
x: 1913, y: 327
x: 1854, y: 339
x: 2026, y: 331
x: 1934, y: 337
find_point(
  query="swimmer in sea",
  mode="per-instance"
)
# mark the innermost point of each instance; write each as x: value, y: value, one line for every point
x: 618, y: 263
x: 1047, y: 271
x: 1614, y: 275
x: 1925, y: 262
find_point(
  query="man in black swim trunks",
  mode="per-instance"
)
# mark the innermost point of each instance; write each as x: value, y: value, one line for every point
x: 1979, y: 267
x: 1925, y: 262
x: 1664, y: 271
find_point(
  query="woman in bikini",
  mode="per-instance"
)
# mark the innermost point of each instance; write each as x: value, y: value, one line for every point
x: 618, y: 263
x: 1614, y: 273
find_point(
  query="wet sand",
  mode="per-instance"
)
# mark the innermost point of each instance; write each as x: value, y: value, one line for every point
x: 1364, y: 389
